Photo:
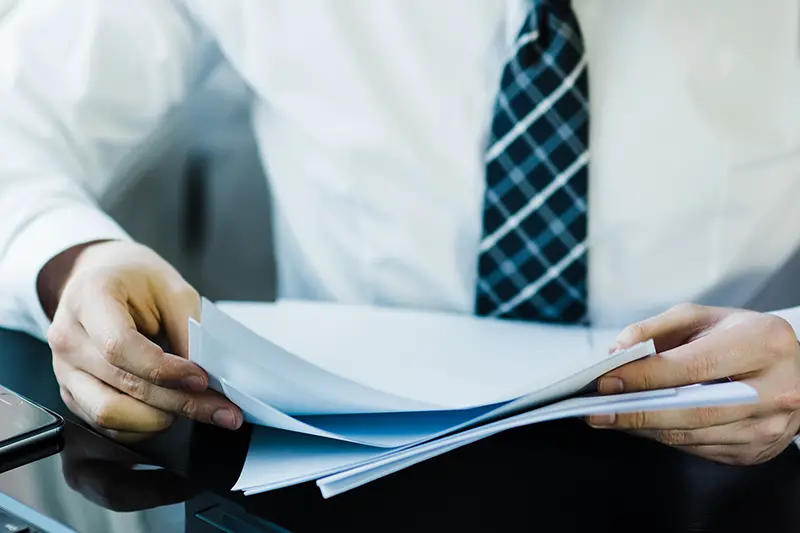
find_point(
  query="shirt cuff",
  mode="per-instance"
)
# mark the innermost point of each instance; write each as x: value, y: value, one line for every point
x: 43, y: 238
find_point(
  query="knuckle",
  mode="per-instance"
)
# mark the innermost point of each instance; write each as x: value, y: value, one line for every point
x: 636, y: 420
x: 699, y: 368
x: 180, y: 290
x: 641, y: 419
x: 188, y: 293
x: 156, y: 374
x: 112, y: 284
x: 74, y: 286
x: 774, y: 428
x: 111, y: 349
x: 754, y: 457
x: 188, y: 406
x: 705, y: 417
x: 634, y: 332
x: 646, y: 379
x: 132, y: 385
x: 164, y: 420
x: 59, y: 338
x: 684, y: 309
x: 58, y: 368
x: 104, y: 414
x: 789, y: 400
x: 779, y: 336
x: 66, y: 397
x: 766, y: 453
x: 673, y: 437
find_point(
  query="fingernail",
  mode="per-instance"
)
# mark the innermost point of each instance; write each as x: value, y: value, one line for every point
x: 224, y: 418
x: 614, y: 349
x: 195, y: 383
x: 609, y: 386
x: 602, y: 420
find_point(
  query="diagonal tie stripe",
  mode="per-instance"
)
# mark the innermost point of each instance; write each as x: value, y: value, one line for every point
x: 552, y: 273
x: 532, y: 260
x: 514, y: 220
x: 535, y: 114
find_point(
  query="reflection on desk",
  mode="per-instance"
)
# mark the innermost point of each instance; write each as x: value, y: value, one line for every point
x: 91, y: 486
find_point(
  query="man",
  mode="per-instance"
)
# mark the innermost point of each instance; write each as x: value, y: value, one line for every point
x: 520, y: 159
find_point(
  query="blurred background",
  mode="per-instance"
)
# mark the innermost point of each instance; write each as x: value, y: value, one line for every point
x: 199, y: 196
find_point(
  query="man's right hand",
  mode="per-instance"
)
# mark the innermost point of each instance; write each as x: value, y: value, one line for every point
x: 110, y: 300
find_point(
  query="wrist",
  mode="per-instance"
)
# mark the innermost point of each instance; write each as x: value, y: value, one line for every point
x: 56, y: 272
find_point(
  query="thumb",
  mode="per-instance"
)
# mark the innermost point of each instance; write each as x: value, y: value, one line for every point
x: 177, y: 305
x: 668, y: 330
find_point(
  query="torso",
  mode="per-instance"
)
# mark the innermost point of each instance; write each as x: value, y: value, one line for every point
x: 372, y: 118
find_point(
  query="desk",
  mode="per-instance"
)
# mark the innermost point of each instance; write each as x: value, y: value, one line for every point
x: 560, y: 476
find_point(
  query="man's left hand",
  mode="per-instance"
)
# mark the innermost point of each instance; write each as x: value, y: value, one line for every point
x: 697, y: 344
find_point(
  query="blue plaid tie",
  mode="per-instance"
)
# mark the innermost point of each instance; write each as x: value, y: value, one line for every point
x: 532, y: 262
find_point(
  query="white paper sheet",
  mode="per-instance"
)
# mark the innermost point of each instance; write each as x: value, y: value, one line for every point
x: 284, y: 380
x: 378, y: 430
x: 343, y: 466
x: 270, y: 466
x: 446, y: 360
x: 685, y: 397
x: 278, y: 459
x: 358, y: 391
x: 392, y: 430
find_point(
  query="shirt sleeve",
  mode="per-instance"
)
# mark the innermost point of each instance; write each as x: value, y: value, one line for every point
x: 83, y: 83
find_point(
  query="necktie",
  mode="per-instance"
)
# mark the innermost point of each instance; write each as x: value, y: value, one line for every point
x: 532, y: 257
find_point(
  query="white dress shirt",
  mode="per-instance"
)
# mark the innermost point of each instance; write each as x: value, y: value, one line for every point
x: 371, y: 118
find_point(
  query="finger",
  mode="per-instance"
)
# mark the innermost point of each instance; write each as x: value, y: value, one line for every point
x: 682, y: 419
x: 119, y: 436
x: 740, y: 432
x: 668, y: 329
x: 177, y: 306
x: 109, y: 325
x: 109, y: 409
x: 206, y: 407
x: 723, y: 453
x: 732, y: 454
x: 715, y: 356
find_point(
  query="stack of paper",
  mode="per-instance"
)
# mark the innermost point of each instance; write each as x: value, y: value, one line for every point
x: 345, y: 394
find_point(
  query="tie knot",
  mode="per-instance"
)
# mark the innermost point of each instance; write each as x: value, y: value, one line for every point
x: 551, y: 18
x: 556, y: 3
x: 557, y: 6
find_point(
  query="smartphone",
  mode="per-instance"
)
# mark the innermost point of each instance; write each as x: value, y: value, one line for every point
x: 23, y: 422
